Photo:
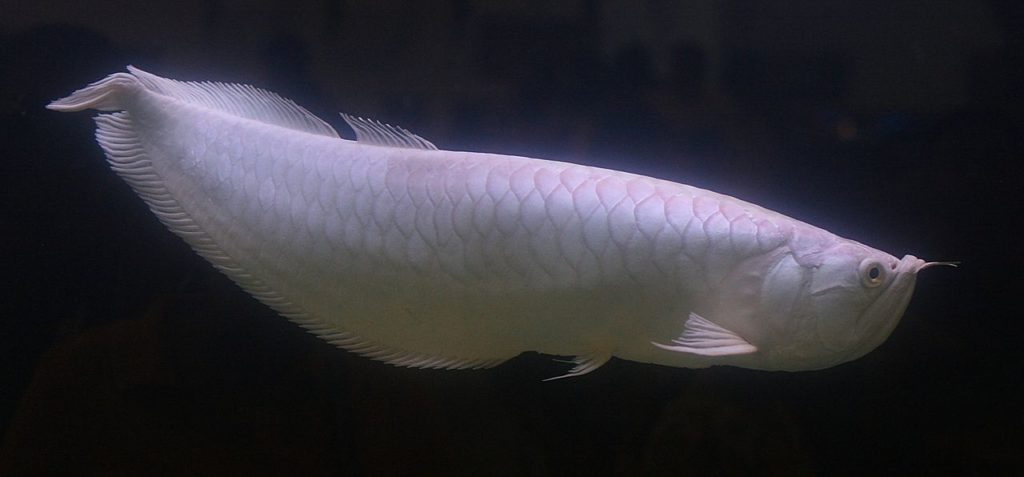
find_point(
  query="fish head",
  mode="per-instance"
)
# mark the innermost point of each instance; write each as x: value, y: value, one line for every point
x: 850, y: 298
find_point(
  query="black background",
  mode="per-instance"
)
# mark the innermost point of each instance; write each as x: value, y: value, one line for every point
x: 894, y: 123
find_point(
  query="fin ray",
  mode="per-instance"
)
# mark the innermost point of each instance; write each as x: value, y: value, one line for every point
x: 703, y: 337
x: 369, y: 131
x: 584, y: 364
x: 238, y: 100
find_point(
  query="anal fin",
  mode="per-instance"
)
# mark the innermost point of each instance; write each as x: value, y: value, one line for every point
x: 705, y: 338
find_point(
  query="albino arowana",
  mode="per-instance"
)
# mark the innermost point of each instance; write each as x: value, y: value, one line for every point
x: 393, y: 249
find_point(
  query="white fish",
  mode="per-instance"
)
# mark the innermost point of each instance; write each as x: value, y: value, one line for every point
x: 393, y: 249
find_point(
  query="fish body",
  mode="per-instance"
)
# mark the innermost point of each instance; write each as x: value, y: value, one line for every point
x: 396, y: 250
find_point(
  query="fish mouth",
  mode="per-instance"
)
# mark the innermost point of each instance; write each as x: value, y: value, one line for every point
x: 908, y: 265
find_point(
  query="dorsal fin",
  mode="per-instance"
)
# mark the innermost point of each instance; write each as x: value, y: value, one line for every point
x: 239, y: 100
x: 369, y: 131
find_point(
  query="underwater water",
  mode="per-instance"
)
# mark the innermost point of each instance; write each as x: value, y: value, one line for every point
x: 125, y: 353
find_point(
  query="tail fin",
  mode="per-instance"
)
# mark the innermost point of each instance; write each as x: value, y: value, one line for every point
x: 105, y: 95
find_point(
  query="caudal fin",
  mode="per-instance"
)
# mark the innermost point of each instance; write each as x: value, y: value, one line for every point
x: 106, y: 94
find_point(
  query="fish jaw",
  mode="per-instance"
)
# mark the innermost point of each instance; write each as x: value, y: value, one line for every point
x: 881, y: 318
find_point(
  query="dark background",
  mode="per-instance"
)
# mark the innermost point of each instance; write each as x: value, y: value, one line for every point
x: 896, y: 123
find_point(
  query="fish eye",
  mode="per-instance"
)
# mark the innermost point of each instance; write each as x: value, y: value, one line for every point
x: 872, y: 273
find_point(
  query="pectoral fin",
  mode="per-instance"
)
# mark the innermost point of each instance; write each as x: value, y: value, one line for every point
x: 705, y: 338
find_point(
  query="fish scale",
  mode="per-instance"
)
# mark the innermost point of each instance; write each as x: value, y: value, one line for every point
x: 394, y: 249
